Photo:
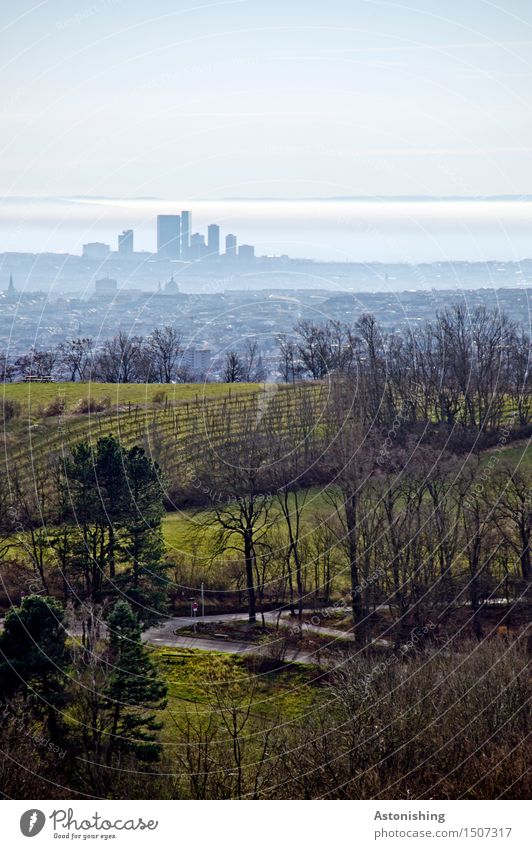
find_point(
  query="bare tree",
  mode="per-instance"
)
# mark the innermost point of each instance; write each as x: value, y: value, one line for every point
x: 164, y: 349
x: 232, y: 468
x: 76, y: 355
x: 289, y: 364
x: 234, y: 369
x: 121, y: 359
x: 38, y: 364
x: 253, y: 370
x: 513, y: 513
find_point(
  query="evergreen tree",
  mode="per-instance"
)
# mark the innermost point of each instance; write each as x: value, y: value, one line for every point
x: 133, y: 689
x: 111, y: 481
x: 83, y: 510
x: 144, y: 579
x: 34, y: 657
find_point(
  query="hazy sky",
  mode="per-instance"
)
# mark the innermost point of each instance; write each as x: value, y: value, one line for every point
x: 261, y: 97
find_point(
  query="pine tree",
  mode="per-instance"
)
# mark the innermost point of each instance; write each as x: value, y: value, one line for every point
x: 144, y: 580
x: 34, y: 657
x: 133, y: 689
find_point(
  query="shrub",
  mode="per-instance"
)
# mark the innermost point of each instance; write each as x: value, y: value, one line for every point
x: 92, y: 405
x: 9, y: 410
x: 56, y: 407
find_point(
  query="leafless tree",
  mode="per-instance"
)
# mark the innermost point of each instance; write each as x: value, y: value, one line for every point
x: 513, y: 512
x: 233, y: 370
x: 289, y: 364
x: 120, y: 360
x: 164, y: 350
x: 76, y: 356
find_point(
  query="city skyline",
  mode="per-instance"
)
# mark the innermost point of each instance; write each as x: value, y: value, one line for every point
x: 175, y: 242
x: 356, y: 230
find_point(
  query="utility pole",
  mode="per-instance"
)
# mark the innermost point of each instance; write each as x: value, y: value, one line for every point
x: 202, y: 600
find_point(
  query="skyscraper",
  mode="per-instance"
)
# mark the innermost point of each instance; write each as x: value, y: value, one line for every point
x: 186, y: 225
x: 168, y: 236
x: 230, y: 245
x: 125, y: 242
x: 213, y: 241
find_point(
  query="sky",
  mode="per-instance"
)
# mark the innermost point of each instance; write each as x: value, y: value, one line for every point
x: 250, y: 99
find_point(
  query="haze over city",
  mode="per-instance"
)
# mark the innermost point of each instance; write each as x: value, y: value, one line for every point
x: 204, y: 102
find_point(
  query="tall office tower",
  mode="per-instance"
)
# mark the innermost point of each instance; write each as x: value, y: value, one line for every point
x: 213, y: 241
x: 125, y: 242
x: 168, y: 236
x: 186, y: 224
x: 230, y: 245
x: 197, y: 248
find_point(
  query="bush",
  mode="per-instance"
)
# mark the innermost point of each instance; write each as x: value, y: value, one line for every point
x: 92, y: 405
x: 56, y: 407
x: 9, y: 410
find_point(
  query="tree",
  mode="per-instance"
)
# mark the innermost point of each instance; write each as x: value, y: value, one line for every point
x: 34, y: 656
x: 324, y: 348
x: 513, y: 513
x: 236, y: 485
x: 233, y: 370
x: 76, y: 355
x: 253, y: 370
x: 110, y: 480
x: 293, y: 450
x: 289, y: 364
x: 7, y: 369
x: 39, y: 364
x: 121, y: 360
x: 82, y: 510
x: 164, y: 349
x: 133, y: 689
x: 349, y: 462
x: 142, y: 539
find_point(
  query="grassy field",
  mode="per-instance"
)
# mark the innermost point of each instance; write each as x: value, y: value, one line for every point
x: 192, y: 677
x: 34, y: 396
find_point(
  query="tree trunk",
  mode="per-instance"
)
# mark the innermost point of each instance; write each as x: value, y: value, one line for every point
x: 250, y: 580
x: 359, y: 626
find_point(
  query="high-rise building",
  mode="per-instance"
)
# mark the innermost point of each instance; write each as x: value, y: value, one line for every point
x: 168, y: 236
x: 197, y: 359
x: 186, y: 225
x: 213, y: 241
x: 96, y: 250
x: 125, y: 242
x: 246, y: 253
x: 197, y: 248
x: 230, y: 245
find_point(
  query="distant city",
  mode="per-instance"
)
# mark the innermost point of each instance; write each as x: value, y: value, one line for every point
x: 177, y: 243
x: 218, y: 300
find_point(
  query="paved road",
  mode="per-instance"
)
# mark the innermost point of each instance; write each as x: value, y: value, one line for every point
x: 166, y: 635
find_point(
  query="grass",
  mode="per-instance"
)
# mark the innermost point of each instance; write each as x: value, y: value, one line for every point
x: 192, y: 677
x: 32, y: 396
